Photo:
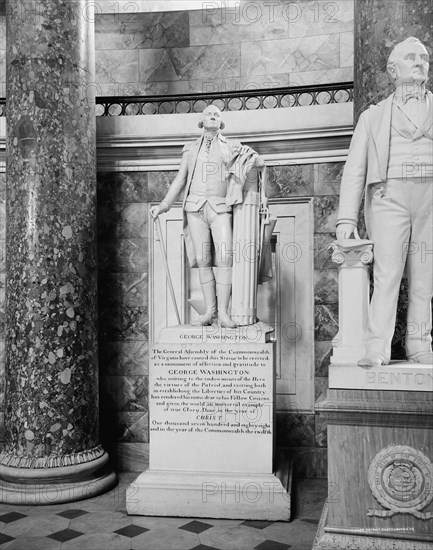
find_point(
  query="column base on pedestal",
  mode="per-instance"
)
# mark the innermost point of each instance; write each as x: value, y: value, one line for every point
x: 209, y: 495
x: 56, y: 485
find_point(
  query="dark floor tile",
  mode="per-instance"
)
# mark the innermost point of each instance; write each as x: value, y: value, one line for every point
x: 204, y: 547
x: 11, y: 516
x: 131, y: 531
x: 196, y: 527
x: 65, y: 534
x: 71, y: 514
x: 257, y: 524
x: 272, y: 545
x: 5, y: 538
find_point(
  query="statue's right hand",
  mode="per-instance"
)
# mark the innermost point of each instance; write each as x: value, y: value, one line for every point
x: 160, y: 208
x: 155, y: 211
x: 346, y: 230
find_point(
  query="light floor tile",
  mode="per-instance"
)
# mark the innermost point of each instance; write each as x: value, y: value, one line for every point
x: 32, y: 543
x: 100, y: 522
x: 36, y: 526
x: 166, y: 539
x: 232, y: 538
x: 292, y: 532
x: 98, y: 541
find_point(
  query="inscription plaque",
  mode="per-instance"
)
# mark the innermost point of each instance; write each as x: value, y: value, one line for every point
x: 211, y: 407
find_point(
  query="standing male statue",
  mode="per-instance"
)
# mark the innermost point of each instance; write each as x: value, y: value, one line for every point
x: 212, y: 173
x: 391, y: 156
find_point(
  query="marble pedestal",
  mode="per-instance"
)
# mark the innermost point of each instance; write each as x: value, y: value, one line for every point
x: 211, y: 408
x: 380, y: 433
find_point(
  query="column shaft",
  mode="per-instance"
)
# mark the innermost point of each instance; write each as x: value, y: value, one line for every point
x: 51, y: 409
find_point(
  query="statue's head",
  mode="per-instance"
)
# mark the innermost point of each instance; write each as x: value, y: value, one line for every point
x: 210, y: 119
x: 408, y: 62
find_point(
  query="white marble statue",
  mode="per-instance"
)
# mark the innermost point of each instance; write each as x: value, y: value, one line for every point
x: 391, y: 161
x: 212, y: 175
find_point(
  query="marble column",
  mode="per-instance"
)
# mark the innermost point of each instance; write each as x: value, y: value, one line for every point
x: 51, y: 452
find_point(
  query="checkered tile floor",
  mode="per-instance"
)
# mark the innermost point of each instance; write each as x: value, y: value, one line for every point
x: 101, y: 523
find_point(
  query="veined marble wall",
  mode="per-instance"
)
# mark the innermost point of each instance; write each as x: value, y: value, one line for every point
x: 2, y: 298
x: 257, y: 44
x: 123, y: 249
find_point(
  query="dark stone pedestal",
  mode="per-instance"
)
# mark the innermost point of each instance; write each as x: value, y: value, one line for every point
x: 380, y: 471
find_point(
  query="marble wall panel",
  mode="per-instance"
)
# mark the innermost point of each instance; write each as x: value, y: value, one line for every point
x: 2, y: 254
x: 2, y: 73
x: 325, y: 213
x: 295, y: 430
x: 123, y: 322
x: 326, y: 286
x: 346, y: 49
x: 133, y: 426
x: 322, y: 17
x: 123, y: 221
x: 252, y: 21
x: 116, y: 66
x: 122, y: 187
x: 322, y: 357
x: 157, y: 65
x: 159, y: 183
x: 307, y: 78
x: 291, y: 55
x: 320, y: 432
x: 122, y: 255
x: 291, y: 180
x: 309, y: 461
x: 193, y: 63
x: 141, y: 30
x: 123, y: 289
x: 322, y: 253
x: 129, y: 358
x: 2, y: 221
x: 2, y: 357
x: 124, y: 393
x: 328, y: 178
x: 326, y: 321
x: 320, y: 388
x: 2, y: 428
x: 2, y: 392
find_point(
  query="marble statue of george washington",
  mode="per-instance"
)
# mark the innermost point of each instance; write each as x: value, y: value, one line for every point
x: 211, y: 175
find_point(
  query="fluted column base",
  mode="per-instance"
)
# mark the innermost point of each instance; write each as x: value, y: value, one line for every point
x: 56, y: 484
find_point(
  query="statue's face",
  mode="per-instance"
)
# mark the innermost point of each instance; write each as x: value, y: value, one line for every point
x: 211, y: 118
x: 411, y: 64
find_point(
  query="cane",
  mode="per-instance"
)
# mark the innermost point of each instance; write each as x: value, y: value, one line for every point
x: 167, y: 271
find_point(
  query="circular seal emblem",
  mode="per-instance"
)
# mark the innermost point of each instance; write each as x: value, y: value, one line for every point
x: 400, y: 479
